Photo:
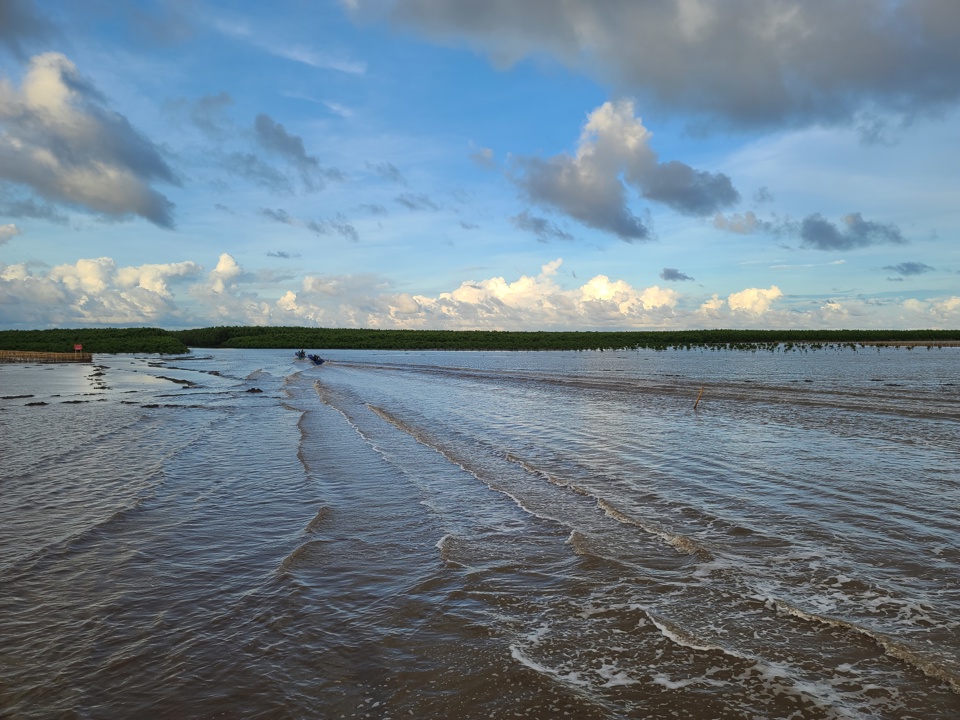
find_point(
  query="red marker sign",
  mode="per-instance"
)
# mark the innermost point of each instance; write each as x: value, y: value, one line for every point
x: 78, y: 347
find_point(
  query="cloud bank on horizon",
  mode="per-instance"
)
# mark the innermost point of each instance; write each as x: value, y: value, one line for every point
x: 407, y: 163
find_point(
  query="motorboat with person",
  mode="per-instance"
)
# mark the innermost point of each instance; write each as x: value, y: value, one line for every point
x: 312, y: 357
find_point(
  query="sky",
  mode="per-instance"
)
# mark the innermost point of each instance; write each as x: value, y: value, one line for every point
x: 480, y: 164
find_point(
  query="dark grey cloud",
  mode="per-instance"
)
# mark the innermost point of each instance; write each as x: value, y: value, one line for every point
x: 909, y: 268
x: 815, y: 231
x: 763, y: 196
x: 207, y: 114
x: 253, y: 168
x: 279, y: 215
x: 613, y: 154
x: 387, y: 171
x: 544, y: 229
x: 877, y: 130
x: 741, y: 62
x: 30, y: 208
x: 689, y: 191
x: 283, y: 255
x: 374, y: 208
x: 345, y: 229
x: 416, y: 201
x: 20, y: 25
x: 339, y: 224
x: 162, y: 24
x: 674, y: 275
x: 468, y: 225
x: 853, y: 232
x: 274, y: 137
x: 748, y: 223
x: 597, y: 201
x: 69, y: 148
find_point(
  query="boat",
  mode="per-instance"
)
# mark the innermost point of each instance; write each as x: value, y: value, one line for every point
x: 300, y: 355
x: 316, y: 359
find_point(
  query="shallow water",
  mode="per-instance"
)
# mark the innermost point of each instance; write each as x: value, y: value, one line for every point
x: 482, y: 535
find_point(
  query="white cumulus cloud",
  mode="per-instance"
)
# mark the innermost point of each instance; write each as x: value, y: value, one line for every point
x: 712, y: 308
x: 96, y: 291
x: 58, y: 140
x: 155, y: 278
x: 755, y: 301
x: 8, y: 231
x: 91, y: 291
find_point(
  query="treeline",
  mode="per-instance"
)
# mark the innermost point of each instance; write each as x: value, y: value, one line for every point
x: 174, y: 342
x: 367, y: 339
x: 94, y: 340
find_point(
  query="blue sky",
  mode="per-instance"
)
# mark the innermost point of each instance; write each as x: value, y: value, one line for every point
x: 550, y: 164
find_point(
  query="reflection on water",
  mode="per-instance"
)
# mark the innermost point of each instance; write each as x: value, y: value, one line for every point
x: 238, y: 534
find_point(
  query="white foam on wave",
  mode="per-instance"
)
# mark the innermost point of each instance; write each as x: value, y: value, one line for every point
x: 841, y: 594
x: 888, y: 645
x: 681, y: 637
x: 705, y: 570
x: 570, y: 678
x: 682, y: 543
x: 670, y: 684
x: 325, y: 398
x: 781, y: 679
x: 424, y: 440
x: 446, y: 548
x: 843, y: 695
x: 614, y: 676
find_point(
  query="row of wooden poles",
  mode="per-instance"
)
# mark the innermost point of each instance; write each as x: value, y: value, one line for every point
x: 29, y: 356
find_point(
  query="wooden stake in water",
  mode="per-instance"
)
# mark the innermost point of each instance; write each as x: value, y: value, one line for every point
x: 698, y: 398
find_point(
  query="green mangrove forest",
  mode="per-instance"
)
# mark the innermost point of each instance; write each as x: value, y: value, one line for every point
x: 174, y: 342
x: 94, y: 340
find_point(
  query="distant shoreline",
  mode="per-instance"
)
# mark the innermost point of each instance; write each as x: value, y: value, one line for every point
x: 175, y: 342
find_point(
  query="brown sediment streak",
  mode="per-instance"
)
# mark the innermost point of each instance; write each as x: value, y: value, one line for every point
x: 396, y: 422
x: 679, y: 542
x: 536, y: 471
x: 889, y: 646
x: 425, y: 440
x: 578, y: 542
x: 300, y: 555
x: 547, y: 476
x: 322, y: 393
x: 322, y: 514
